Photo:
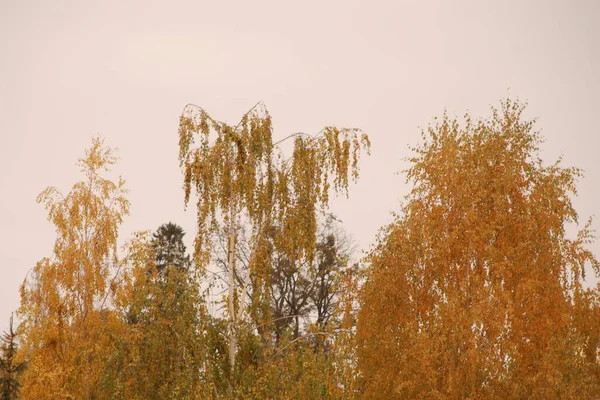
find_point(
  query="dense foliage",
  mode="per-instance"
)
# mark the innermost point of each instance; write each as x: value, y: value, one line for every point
x: 475, y: 290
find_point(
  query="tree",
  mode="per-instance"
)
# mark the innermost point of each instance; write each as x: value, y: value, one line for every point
x: 10, y: 368
x: 68, y: 326
x: 162, y: 351
x: 475, y: 291
x: 238, y: 172
x: 169, y: 248
x: 300, y: 290
x: 305, y: 290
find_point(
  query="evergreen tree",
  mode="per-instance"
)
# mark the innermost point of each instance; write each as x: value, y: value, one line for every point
x: 10, y: 368
x: 161, y: 354
x: 168, y: 247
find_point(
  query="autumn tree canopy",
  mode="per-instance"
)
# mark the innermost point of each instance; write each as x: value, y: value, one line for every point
x: 239, y: 174
x: 475, y: 290
x: 65, y: 302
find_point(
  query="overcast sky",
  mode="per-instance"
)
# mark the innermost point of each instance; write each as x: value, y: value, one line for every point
x: 70, y: 70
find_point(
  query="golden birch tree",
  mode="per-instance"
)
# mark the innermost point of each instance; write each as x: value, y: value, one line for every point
x: 475, y: 291
x: 65, y: 299
x: 238, y: 172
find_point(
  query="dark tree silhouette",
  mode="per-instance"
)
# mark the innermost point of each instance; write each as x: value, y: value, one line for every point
x: 10, y: 368
x: 169, y: 248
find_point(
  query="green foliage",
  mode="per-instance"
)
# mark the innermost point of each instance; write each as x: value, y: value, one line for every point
x: 161, y: 355
x: 10, y: 368
x: 168, y: 246
x: 293, y: 370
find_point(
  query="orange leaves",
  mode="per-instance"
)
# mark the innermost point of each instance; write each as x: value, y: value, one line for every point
x: 473, y: 292
x: 468, y: 287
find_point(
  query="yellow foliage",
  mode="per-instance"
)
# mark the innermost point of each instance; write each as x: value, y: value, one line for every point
x: 475, y: 291
x: 67, y: 323
x: 239, y: 171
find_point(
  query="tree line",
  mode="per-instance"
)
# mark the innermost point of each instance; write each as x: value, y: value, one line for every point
x: 474, y: 290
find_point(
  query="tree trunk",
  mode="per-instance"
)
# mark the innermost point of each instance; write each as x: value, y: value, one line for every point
x: 231, y: 265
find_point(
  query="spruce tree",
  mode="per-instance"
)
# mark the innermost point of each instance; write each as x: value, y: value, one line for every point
x: 10, y: 368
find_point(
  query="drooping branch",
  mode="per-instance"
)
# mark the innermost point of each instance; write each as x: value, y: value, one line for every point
x: 239, y: 169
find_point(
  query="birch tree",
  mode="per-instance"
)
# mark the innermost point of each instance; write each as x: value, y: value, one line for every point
x: 476, y: 291
x: 303, y: 294
x: 239, y: 172
x: 65, y: 299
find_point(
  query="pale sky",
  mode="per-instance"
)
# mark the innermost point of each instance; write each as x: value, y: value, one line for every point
x: 70, y: 70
